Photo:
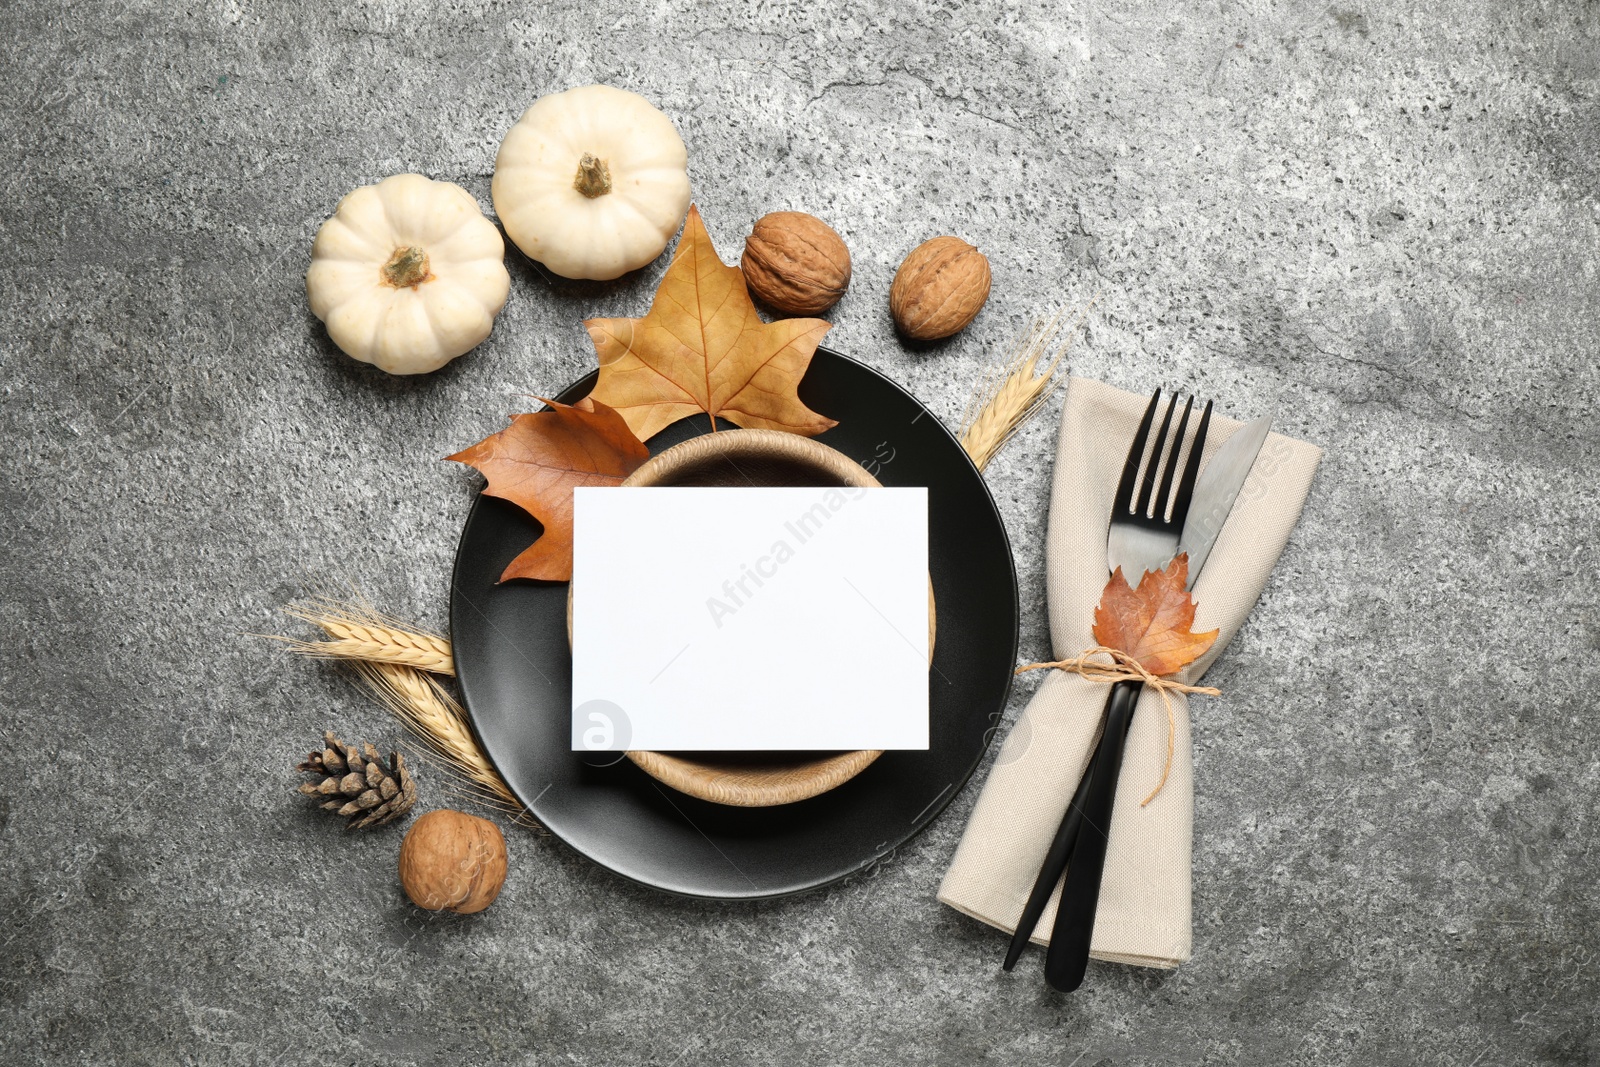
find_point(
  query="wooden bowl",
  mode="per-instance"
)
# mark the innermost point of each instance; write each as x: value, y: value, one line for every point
x: 759, y: 458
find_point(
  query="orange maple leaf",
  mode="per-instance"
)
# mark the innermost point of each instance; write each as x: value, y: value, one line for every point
x: 1152, y: 624
x: 539, y: 459
x: 703, y: 347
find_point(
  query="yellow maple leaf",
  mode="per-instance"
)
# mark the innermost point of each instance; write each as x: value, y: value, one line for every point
x: 703, y: 348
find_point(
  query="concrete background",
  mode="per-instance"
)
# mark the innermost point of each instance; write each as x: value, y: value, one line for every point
x: 1379, y: 220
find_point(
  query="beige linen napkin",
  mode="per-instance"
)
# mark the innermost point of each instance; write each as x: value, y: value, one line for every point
x: 1144, y: 913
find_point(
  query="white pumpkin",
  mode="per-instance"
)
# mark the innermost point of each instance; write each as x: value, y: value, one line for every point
x: 592, y: 182
x: 408, y: 274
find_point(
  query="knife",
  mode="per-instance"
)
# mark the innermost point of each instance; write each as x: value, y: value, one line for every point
x: 1217, y: 488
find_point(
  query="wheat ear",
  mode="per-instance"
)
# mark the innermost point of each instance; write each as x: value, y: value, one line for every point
x: 1005, y: 401
x: 359, y: 633
x: 436, y: 717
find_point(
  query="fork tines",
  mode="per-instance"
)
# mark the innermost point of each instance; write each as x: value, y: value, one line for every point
x: 1164, y: 508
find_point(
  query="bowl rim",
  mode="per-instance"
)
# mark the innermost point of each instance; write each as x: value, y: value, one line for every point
x: 828, y: 460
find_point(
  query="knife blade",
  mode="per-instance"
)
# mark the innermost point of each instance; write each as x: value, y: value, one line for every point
x: 1216, y: 490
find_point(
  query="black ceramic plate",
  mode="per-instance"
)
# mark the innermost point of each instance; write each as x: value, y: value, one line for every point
x: 515, y: 671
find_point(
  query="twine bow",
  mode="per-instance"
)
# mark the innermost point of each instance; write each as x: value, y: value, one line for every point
x: 1124, y: 668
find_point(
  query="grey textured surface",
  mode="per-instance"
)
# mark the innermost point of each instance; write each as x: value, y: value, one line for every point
x: 1382, y: 223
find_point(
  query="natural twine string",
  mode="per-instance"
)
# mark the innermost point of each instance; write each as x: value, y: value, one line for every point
x: 1124, y: 668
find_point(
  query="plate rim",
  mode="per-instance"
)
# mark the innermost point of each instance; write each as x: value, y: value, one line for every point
x: 933, y: 811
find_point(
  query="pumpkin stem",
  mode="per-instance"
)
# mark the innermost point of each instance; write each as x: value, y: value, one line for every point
x: 594, y: 177
x: 407, y: 267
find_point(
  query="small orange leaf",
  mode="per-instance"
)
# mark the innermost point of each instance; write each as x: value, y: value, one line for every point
x: 1152, y: 624
x: 539, y: 459
x: 703, y: 347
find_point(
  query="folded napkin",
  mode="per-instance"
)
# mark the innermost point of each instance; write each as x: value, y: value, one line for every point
x: 1144, y: 913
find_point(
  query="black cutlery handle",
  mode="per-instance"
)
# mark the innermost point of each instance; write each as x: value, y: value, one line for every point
x: 1068, y: 956
x: 1055, y: 861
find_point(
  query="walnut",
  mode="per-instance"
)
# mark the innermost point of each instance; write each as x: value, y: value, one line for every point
x: 795, y: 263
x: 453, y: 861
x: 939, y: 289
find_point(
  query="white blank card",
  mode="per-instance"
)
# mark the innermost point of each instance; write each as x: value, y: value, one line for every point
x: 750, y: 619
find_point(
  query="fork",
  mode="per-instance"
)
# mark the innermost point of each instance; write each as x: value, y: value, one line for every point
x: 1146, y: 523
x: 1143, y: 536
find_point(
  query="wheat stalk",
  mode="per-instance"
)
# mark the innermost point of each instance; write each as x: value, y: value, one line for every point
x: 1005, y: 401
x: 360, y: 633
x: 391, y: 660
x: 436, y: 717
x: 388, y: 648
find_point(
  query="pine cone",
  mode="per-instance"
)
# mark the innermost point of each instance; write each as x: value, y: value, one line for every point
x: 358, y: 785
